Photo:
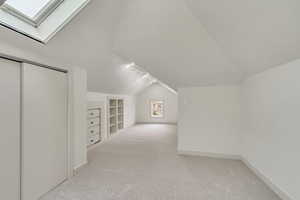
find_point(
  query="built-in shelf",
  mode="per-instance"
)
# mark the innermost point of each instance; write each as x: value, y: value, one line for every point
x: 116, y: 115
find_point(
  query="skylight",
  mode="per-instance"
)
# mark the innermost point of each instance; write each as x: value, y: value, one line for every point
x: 31, y: 11
x: 22, y: 6
x: 39, y: 19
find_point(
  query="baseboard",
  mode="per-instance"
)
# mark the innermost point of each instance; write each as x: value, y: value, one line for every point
x: 79, y: 167
x: 169, y: 123
x: 209, y: 155
x: 266, y: 180
x: 108, y: 138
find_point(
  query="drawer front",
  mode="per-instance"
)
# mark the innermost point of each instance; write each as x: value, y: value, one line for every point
x: 93, y: 113
x: 94, y: 121
x: 93, y: 130
x: 93, y: 139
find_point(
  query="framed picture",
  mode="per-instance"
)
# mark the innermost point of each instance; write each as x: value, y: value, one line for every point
x: 157, y: 108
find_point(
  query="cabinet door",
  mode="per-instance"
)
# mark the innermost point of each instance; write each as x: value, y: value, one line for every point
x: 44, y: 140
x: 9, y: 130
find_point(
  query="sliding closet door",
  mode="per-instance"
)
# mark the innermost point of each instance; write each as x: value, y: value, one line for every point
x: 9, y: 130
x: 44, y: 141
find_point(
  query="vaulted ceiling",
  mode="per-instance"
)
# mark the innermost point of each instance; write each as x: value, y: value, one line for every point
x: 181, y: 42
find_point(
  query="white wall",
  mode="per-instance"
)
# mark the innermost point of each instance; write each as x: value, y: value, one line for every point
x: 78, y: 116
x: 258, y: 120
x: 156, y: 92
x: 271, y: 131
x: 209, y: 120
x: 96, y: 98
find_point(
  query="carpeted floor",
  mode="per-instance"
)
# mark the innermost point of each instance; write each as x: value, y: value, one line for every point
x: 141, y: 164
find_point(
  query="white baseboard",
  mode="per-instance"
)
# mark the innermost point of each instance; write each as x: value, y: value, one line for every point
x: 210, y: 155
x: 168, y: 123
x: 108, y: 138
x: 267, y: 181
x: 76, y: 169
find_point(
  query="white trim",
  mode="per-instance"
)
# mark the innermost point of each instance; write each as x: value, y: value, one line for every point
x: 46, y: 11
x: 59, y: 18
x: 79, y: 167
x: 70, y: 128
x: 283, y: 195
x: 167, y: 123
x: 39, y: 17
x: 209, y: 155
x: 50, y: 26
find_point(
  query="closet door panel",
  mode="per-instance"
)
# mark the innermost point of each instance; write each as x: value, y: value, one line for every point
x: 44, y: 141
x: 9, y: 130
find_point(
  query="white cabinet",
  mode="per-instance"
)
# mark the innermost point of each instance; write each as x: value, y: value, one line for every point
x: 94, y: 126
x: 93, y: 113
x: 94, y: 130
x: 93, y: 121
x: 92, y: 139
x: 115, y: 115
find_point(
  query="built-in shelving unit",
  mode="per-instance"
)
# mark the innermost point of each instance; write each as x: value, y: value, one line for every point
x: 112, y: 116
x: 120, y: 113
x: 116, y: 115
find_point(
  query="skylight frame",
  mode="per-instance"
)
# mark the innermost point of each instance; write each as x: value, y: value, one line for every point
x: 60, y: 17
x: 39, y: 17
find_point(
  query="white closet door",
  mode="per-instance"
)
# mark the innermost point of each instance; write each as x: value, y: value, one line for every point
x: 9, y: 130
x: 44, y: 141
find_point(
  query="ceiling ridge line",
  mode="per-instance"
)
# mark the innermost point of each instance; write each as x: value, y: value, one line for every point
x: 222, y: 49
x: 150, y: 74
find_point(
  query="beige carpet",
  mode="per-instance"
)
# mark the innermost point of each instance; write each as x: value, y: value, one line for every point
x: 141, y: 164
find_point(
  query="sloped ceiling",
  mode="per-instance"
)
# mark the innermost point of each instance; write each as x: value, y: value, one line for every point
x: 255, y: 34
x: 166, y: 39
x: 181, y: 42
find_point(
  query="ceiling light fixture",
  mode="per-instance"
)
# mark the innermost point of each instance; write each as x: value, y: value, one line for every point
x: 130, y: 65
x: 145, y: 76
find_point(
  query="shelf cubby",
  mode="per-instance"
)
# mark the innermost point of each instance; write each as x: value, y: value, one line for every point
x: 115, y: 115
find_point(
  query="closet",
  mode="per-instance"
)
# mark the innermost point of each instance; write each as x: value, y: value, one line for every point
x: 44, y: 131
x: 33, y: 139
x: 10, y: 127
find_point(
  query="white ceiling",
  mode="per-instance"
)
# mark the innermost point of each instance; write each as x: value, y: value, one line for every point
x: 255, y: 34
x: 181, y: 42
